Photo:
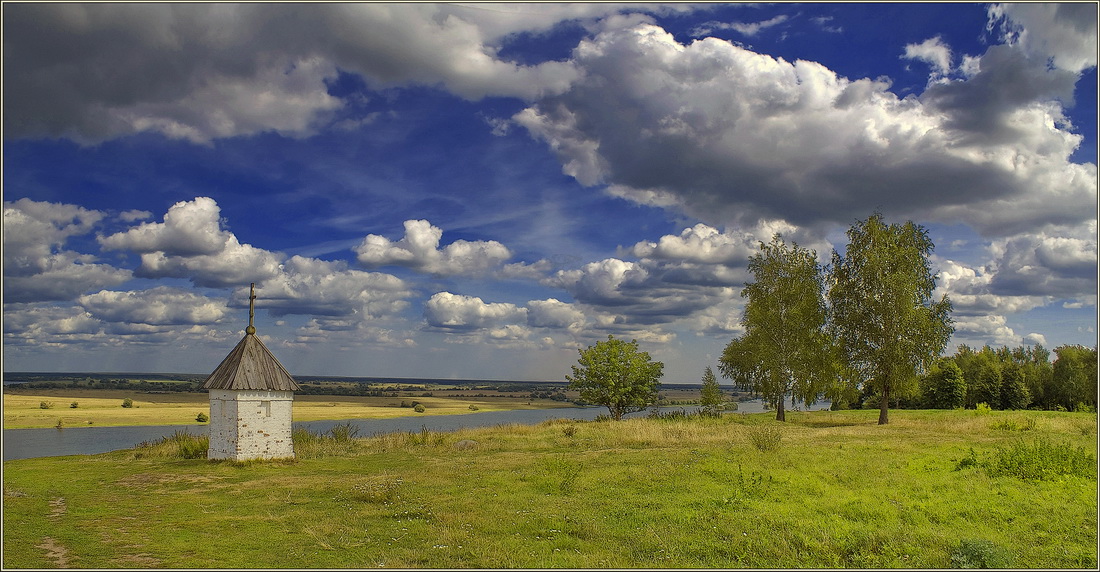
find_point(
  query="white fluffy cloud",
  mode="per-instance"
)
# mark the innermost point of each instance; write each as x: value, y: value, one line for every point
x: 192, y: 244
x: 323, y: 288
x: 932, y: 51
x: 730, y: 135
x: 37, y: 267
x: 457, y: 312
x: 160, y: 306
x: 419, y: 249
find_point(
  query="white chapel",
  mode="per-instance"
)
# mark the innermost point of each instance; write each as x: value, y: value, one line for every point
x: 251, y: 400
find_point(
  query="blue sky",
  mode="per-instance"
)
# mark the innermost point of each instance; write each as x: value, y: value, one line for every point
x: 478, y: 190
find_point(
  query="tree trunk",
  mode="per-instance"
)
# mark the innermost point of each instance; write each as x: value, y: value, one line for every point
x: 884, y: 409
x: 780, y: 414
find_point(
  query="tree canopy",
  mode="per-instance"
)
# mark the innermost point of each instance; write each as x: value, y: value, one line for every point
x: 784, y: 350
x: 618, y: 375
x: 884, y: 317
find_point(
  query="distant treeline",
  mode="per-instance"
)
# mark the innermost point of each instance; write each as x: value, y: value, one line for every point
x: 310, y: 385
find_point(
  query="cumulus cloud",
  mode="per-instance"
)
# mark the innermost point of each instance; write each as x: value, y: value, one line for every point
x: 933, y: 52
x: 1063, y: 32
x: 419, y: 249
x: 732, y: 136
x: 160, y: 306
x: 192, y: 244
x: 553, y: 313
x: 206, y: 71
x: 464, y: 313
x: 37, y: 267
x: 328, y: 288
x: 1059, y: 262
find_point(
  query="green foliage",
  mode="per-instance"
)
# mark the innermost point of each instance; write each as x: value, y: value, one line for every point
x: 711, y: 397
x: 982, y: 409
x: 343, y: 432
x: 784, y: 350
x: 1014, y: 391
x: 202, y: 417
x: 979, y: 554
x: 179, y: 445
x: 74, y: 405
x: 1075, y: 376
x: 887, y: 324
x: 127, y: 402
x: 1041, y: 461
x: 617, y: 375
x: 45, y: 405
x: 944, y: 386
x: 765, y: 437
x: 419, y: 408
x: 473, y: 407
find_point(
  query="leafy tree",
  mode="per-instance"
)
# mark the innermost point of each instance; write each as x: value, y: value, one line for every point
x: 888, y: 326
x: 617, y: 375
x: 1014, y: 392
x: 1074, y: 377
x: 784, y: 350
x: 712, y: 397
x: 944, y: 387
x: 982, y: 371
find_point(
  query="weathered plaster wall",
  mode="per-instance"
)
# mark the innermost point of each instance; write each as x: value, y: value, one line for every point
x: 250, y: 425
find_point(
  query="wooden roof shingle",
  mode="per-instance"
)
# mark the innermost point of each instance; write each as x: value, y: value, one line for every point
x: 251, y: 366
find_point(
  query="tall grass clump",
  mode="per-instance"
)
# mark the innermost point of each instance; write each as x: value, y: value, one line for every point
x: 179, y: 445
x: 765, y: 437
x: 340, y: 440
x: 979, y: 554
x: 1041, y: 461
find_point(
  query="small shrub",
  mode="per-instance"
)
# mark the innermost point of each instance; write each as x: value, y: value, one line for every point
x: 74, y: 405
x: 418, y: 408
x: 569, y: 430
x: 979, y: 554
x: 127, y: 402
x: 1004, y: 425
x: 202, y: 417
x: 343, y: 432
x: 179, y: 445
x: 473, y: 407
x: 765, y: 437
x: 982, y: 409
x: 45, y: 405
x: 970, y: 460
x: 60, y: 423
x: 1041, y: 461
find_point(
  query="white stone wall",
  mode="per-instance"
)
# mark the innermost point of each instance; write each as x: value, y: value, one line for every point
x: 250, y: 425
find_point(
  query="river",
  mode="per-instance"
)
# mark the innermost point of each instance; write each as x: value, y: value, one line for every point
x: 29, y: 443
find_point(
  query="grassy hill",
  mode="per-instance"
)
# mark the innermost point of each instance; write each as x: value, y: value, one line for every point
x: 933, y: 489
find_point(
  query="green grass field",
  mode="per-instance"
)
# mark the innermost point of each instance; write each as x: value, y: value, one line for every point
x: 933, y: 489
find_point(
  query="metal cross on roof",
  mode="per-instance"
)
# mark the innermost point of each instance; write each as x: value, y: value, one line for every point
x: 251, y: 329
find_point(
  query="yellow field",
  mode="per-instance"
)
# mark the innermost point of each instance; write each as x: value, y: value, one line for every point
x: 103, y: 408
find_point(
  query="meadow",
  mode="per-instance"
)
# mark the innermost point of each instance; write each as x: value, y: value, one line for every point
x: 103, y: 407
x: 828, y: 489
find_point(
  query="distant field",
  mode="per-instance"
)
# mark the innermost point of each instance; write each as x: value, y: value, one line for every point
x: 103, y: 408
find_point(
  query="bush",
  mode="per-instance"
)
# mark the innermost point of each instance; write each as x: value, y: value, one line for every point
x: 179, y: 445
x: 765, y: 437
x: 202, y: 417
x: 45, y: 405
x: 418, y: 408
x: 1041, y: 461
x: 74, y: 405
x: 979, y: 554
x: 127, y: 402
x: 473, y: 407
x: 982, y: 409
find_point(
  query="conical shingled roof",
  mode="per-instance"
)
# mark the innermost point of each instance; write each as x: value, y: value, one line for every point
x: 251, y: 366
